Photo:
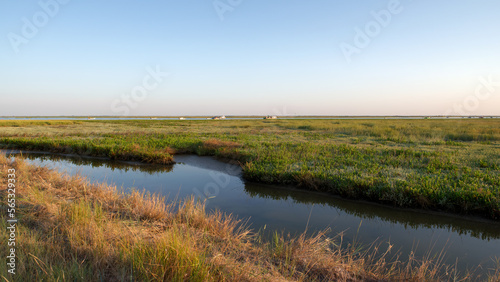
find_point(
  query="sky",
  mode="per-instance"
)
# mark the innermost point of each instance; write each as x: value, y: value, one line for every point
x: 242, y: 57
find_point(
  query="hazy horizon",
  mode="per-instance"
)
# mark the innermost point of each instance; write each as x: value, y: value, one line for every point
x: 237, y: 57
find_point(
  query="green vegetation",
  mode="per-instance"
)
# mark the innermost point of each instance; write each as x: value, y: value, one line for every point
x: 449, y: 165
x: 72, y: 230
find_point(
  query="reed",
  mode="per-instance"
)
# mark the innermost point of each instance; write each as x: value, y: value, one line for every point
x: 71, y: 229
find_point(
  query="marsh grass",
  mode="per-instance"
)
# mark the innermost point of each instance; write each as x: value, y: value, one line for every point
x: 70, y: 229
x: 444, y: 165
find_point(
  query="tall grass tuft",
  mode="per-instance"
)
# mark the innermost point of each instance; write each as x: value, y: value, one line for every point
x: 70, y: 229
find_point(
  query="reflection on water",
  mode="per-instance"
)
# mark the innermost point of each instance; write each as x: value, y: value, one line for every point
x: 277, y: 208
x: 477, y: 228
x: 92, y: 162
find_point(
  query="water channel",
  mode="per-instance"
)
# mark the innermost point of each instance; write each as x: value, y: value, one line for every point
x: 269, y: 208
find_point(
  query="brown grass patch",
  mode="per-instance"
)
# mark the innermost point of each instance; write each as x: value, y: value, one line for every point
x: 73, y: 230
x: 215, y: 144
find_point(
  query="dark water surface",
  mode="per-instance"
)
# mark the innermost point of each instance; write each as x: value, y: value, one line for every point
x: 473, y: 241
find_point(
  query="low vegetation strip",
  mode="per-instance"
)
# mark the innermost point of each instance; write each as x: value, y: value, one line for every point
x: 70, y: 229
x: 447, y: 165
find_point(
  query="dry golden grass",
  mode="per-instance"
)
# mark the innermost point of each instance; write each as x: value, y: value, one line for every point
x: 70, y: 229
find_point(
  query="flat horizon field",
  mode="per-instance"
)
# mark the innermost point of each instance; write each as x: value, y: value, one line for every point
x: 73, y: 229
x: 444, y: 165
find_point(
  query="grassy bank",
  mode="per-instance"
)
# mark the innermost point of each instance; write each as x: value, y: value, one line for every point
x: 448, y: 165
x: 70, y: 229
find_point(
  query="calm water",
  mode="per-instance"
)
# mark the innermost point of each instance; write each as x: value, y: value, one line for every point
x: 473, y: 241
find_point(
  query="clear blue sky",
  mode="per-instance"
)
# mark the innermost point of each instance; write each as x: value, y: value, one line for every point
x: 258, y: 57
